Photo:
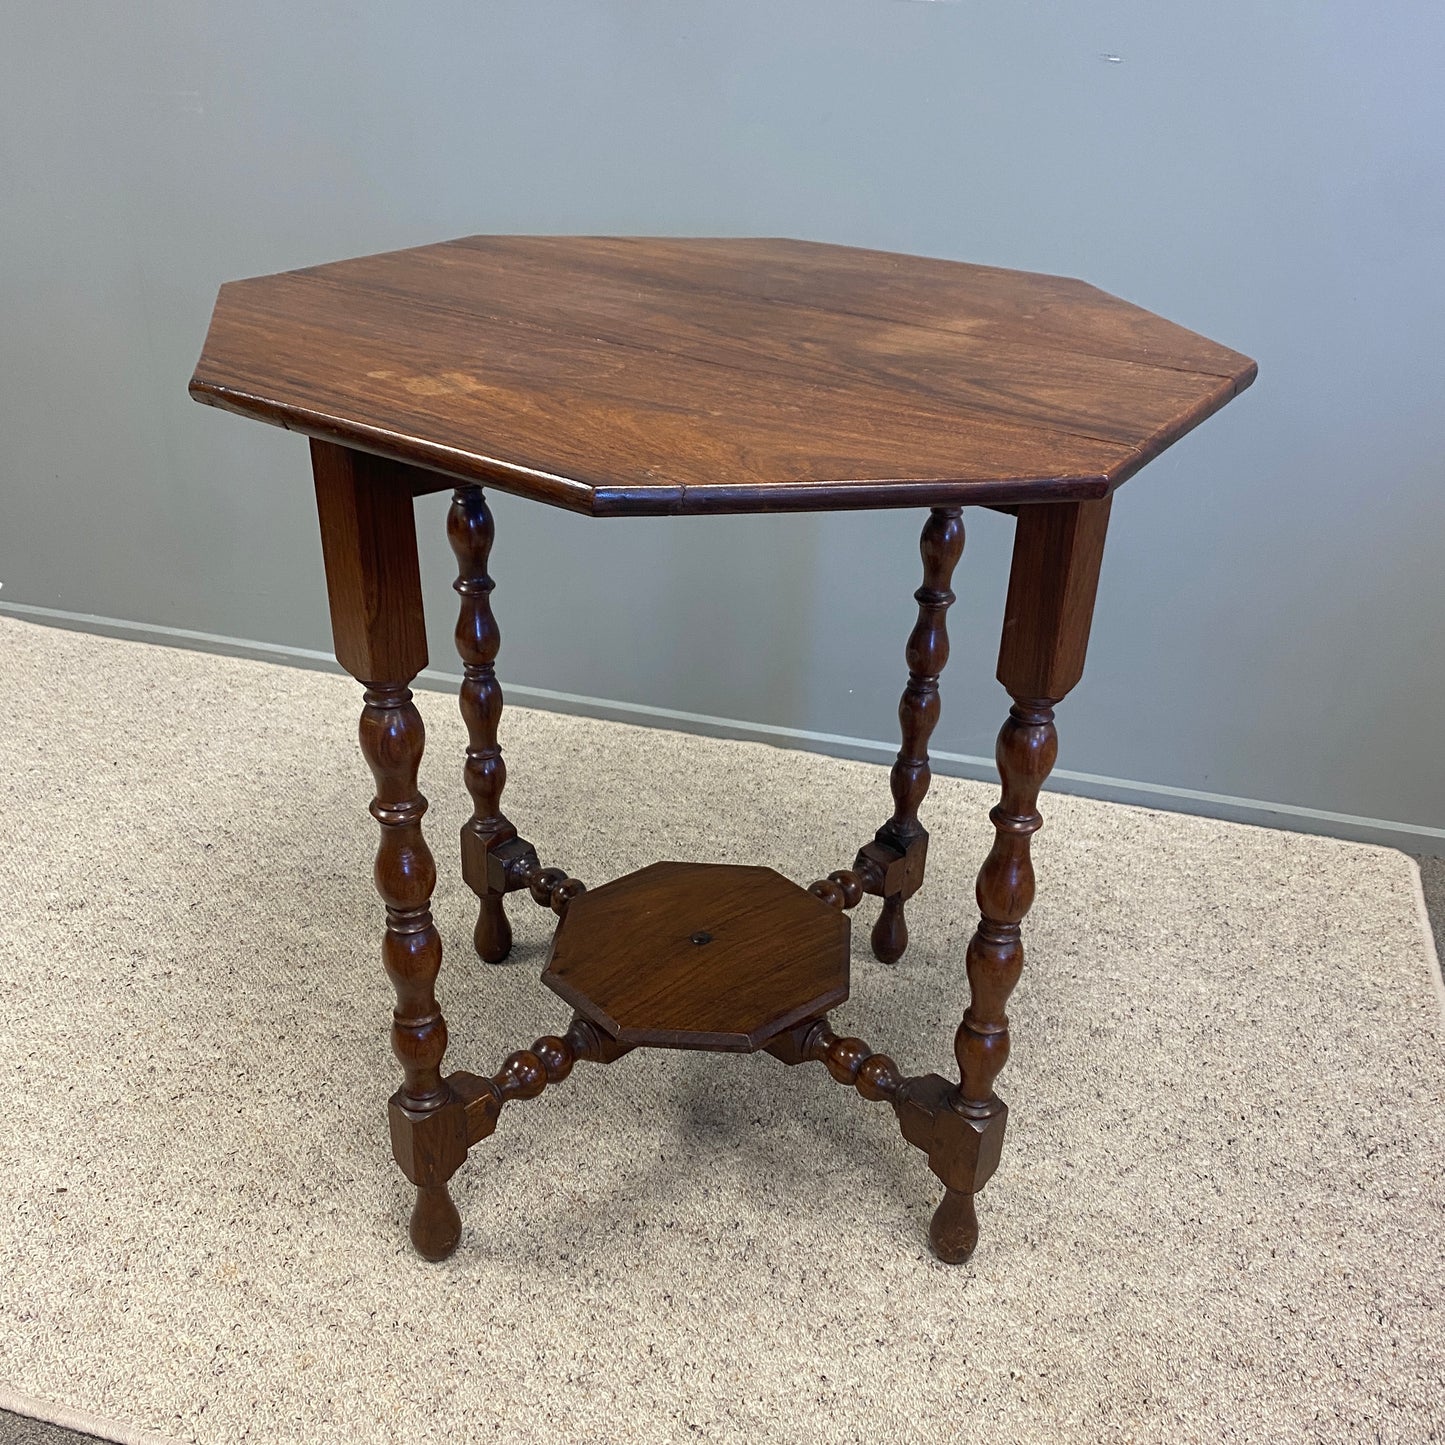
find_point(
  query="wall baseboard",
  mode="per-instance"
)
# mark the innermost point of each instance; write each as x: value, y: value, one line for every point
x: 1410, y: 837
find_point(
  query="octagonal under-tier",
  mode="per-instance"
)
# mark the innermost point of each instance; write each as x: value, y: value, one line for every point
x: 699, y: 956
x: 655, y: 375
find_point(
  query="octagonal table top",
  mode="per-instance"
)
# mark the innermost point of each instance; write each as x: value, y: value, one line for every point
x: 647, y: 376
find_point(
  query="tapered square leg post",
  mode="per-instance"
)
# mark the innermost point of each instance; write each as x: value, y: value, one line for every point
x: 369, y: 543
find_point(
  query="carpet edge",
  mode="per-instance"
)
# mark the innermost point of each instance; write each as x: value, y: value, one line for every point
x: 68, y: 1418
x: 1432, y: 957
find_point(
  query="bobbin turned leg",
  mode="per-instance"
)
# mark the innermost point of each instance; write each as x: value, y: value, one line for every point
x: 493, y: 857
x: 1057, y: 549
x: 369, y: 543
x: 892, y: 864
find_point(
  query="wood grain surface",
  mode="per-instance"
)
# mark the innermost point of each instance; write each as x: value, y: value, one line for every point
x: 699, y: 955
x: 652, y: 376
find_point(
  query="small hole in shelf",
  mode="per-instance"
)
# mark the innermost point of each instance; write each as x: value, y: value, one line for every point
x: 702, y: 937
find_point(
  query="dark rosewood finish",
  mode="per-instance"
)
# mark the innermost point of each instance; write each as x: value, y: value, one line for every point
x: 650, y: 376
x: 646, y: 376
x: 552, y: 888
x: 843, y: 889
x: 850, y: 1061
x: 369, y: 545
x: 896, y: 858
x: 957, y: 1148
x: 527, y: 1072
x: 1057, y: 551
x: 699, y: 956
x: 470, y: 531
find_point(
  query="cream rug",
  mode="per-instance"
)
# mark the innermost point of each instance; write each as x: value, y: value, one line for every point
x: 1220, y: 1217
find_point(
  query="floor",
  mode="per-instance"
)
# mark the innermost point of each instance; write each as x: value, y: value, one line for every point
x: 1432, y: 874
x: 21, y: 1430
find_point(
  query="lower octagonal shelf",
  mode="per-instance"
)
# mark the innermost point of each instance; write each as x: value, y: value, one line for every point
x: 699, y: 956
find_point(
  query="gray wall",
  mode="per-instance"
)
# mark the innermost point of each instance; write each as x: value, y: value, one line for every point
x: 1270, y: 622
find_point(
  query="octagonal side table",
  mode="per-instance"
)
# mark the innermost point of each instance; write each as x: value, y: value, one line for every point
x: 646, y: 377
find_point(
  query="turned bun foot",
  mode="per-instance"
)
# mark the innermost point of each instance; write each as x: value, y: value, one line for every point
x: 890, y: 933
x: 436, y: 1227
x: 493, y: 934
x: 954, y: 1231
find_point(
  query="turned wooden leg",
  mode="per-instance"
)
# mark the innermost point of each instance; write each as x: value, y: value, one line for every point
x: 953, y: 1231
x: 1055, y: 573
x: 489, y: 840
x: 369, y: 543
x: 892, y: 864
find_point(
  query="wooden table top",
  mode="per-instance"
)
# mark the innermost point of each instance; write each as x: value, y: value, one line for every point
x: 642, y: 376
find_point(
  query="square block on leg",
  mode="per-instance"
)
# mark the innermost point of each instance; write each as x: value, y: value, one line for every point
x: 493, y: 865
x: 900, y: 872
x: 963, y: 1151
x: 429, y: 1147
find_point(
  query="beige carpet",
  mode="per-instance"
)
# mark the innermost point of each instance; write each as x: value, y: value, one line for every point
x: 1220, y: 1217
